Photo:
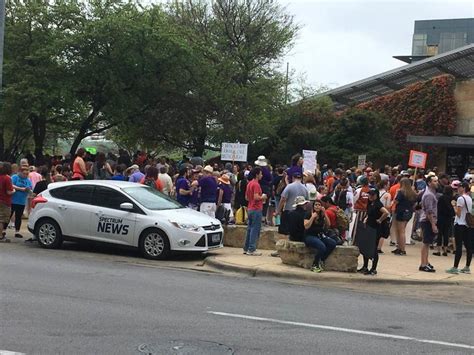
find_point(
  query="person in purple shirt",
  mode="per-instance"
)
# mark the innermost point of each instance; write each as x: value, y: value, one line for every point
x: 183, y: 187
x: 208, y: 186
x: 224, y: 196
x: 135, y: 174
x: 296, y: 167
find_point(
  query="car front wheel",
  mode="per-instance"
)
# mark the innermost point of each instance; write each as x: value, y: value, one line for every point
x: 48, y: 234
x: 154, y: 245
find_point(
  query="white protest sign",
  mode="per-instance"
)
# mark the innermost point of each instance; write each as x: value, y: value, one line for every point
x: 361, y: 161
x: 310, y: 160
x: 234, y: 152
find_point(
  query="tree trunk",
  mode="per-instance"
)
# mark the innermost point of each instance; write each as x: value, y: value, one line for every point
x: 85, y: 126
x: 38, y: 125
x: 75, y: 144
x: 199, y: 145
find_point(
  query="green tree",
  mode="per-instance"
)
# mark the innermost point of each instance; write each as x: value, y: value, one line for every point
x: 35, y: 96
x: 358, y: 132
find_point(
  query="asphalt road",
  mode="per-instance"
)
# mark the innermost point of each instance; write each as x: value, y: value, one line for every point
x: 55, y: 302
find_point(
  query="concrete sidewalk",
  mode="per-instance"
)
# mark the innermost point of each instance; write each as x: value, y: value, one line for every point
x: 391, y: 268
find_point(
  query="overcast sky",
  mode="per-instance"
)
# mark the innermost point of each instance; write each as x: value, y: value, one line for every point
x: 342, y: 41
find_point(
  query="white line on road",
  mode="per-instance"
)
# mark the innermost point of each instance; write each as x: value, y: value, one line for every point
x: 344, y: 330
x: 6, y: 352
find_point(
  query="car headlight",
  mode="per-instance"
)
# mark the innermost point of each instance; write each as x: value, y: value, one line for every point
x: 185, y: 226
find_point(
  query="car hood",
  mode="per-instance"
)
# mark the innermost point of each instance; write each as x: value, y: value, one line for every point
x: 186, y: 215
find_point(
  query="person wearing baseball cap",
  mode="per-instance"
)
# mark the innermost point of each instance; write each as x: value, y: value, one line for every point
x: 288, y: 197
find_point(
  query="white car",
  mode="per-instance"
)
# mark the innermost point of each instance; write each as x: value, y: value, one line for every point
x: 123, y: 213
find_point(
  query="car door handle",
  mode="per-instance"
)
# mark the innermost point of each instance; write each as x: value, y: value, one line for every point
x: 62, y: 207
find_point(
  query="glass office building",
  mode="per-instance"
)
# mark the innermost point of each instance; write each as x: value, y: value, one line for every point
x: 432, y: 37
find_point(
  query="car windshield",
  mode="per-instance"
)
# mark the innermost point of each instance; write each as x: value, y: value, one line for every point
x: 151, y: 198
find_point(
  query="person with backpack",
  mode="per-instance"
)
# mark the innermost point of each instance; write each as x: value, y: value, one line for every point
x: 338, y: 222
x: 151, y: 178
x: 463, y: 229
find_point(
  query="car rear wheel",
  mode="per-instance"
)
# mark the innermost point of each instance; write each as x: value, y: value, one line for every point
x: 154, y: 244
x: 48, y: 234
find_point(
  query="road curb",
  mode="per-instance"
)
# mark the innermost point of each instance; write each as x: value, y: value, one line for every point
x: 216, y: 263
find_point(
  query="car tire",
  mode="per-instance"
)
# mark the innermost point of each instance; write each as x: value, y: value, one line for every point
x: 48, y: 234
x: 154, y: 244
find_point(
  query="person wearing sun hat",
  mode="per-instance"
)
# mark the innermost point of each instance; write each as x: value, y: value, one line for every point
x: 224, y: 194
x: 296, y: 219
x: 265, y: 183
x: 208, y: 186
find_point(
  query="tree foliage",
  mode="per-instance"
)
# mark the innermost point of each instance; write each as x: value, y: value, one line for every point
x: 189, y: 74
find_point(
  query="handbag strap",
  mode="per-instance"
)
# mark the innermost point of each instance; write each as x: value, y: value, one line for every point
x: 465, y: 202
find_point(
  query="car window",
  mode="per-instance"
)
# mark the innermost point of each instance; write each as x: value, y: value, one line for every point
x: 75, y: 193
x: 109, y: 198
x: 151, y: 198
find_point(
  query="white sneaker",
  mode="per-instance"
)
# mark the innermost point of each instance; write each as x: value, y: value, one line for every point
x: 254, y: 253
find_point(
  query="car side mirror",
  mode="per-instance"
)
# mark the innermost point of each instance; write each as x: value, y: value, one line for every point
x: 126, y: 206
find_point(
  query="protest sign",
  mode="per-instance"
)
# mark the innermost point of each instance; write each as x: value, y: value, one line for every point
x: 234, y: 152
x: 310, y: 160
x: 417, y: 159
x: 361, y: 159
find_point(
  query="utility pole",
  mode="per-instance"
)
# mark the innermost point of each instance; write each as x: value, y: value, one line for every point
x: 286, y: 80
x: 2, y: 36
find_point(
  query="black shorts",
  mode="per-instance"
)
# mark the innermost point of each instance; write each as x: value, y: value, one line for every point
x: 428, y: 235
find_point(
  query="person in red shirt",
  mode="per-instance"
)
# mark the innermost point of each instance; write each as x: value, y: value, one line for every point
x: 255, y: 199
x: 6, y: 192
x: 331, y: 213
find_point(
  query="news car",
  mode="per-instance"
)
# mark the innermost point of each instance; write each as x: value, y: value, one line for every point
x: 120, y: 213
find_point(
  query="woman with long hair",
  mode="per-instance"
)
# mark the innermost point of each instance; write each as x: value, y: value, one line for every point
x: 79, y: 169
x: 445, y: 221
x: 404, y: 203
x: 101, y: 170
x: 151, y: 178
x: 315, y: 223
x: 376, y: 218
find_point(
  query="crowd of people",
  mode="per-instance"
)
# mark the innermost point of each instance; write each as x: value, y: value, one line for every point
x: 322, y: 208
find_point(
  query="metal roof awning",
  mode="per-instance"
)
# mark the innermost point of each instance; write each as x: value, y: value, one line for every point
x: 458, y: 62
x: 445, y: 141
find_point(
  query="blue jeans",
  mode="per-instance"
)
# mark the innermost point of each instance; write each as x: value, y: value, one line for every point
x: 253, y: 230
x: 324, y: 246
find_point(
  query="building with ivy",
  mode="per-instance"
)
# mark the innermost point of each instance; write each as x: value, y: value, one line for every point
x: 430, y: 100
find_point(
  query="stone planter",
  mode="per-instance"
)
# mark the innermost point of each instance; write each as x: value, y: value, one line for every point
x: 342, y: 259
x: 234, y: 236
